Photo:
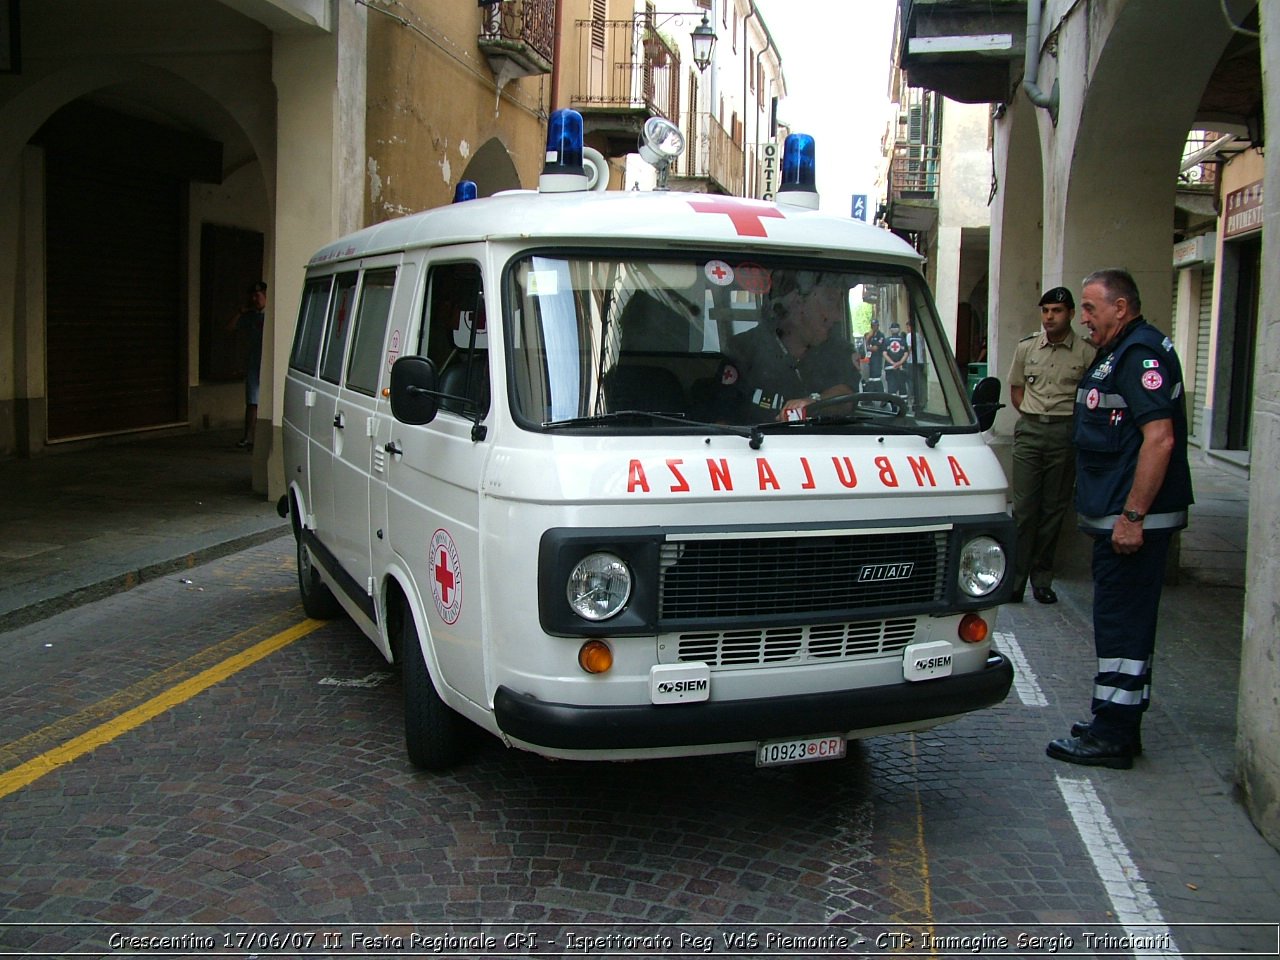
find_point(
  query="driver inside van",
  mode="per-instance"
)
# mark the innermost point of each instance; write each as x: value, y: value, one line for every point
x: 790, y: 359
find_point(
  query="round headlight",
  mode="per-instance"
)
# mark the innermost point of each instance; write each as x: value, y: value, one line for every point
x: 599, y: 586
x: 982, y: 566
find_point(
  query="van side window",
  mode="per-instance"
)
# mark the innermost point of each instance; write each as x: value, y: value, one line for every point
x: 454, y: 309
x: 370, y: 329
x: 335, y: 340
x: 306, y: 342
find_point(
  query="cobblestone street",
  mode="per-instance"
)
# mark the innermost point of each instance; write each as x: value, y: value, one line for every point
x: 279, y: 793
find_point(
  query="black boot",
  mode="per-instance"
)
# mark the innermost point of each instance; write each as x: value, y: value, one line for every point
x: 1087, y: 750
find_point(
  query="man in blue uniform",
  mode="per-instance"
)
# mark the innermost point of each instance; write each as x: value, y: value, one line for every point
x: 1133, y: 487
x: 790, y: 359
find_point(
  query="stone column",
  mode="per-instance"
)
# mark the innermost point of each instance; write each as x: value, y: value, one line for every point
x: 1258, y: 719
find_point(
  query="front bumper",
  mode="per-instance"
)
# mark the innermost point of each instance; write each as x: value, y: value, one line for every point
x: 566, y: 726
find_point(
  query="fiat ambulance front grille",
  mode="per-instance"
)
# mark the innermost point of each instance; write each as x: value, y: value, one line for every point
x: 792, y: 577
x: 782, y: 645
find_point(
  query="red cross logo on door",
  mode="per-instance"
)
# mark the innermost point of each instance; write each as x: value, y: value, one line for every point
x: 446, y: 576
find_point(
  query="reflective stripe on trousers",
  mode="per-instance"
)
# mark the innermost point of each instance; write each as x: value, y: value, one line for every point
x: 1126, y: 603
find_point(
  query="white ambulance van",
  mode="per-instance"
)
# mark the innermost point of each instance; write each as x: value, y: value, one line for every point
x: 611, y: 476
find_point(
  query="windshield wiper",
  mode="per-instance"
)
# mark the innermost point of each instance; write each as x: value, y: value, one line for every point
x: 615, y: 416
x: 931, y: 434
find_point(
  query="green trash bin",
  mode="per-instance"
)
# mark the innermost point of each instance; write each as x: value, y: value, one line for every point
x: 977, y: 373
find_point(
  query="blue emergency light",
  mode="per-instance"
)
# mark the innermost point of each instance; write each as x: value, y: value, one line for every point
x: 563, y: 170
x: 464, y: 191
x: 798, y: 186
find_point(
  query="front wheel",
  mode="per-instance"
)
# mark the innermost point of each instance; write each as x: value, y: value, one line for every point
x: 318, y: 601
x: 432, y: 730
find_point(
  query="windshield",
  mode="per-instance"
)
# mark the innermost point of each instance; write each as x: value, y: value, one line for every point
x: 648, y: 343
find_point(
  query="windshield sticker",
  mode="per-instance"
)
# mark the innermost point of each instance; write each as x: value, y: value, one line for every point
x: 754, y: 278
x: 719, y: 273
x: 542, y: 283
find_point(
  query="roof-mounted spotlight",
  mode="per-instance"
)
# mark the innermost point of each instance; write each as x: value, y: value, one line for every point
x: 464, y: 191
x: 661, y: 142
x: 798, y: 187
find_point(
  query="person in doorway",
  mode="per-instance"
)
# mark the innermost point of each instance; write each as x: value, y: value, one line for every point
x: 1133, y: 491
x: 1042, y: 385
x: 249, y: 323
x: 790, y: 360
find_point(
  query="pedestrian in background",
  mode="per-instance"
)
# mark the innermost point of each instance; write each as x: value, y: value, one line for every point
x: 895, y: 361
x: 874, y: 345
x: 249, y: 323
x: 1042, y: 385
x: 1133, y: 487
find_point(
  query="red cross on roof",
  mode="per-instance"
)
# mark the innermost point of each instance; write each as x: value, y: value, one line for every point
x: 744, y: 214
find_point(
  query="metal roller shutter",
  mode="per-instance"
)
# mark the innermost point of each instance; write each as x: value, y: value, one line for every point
x: 116, y: 329
x: 1203, y: 330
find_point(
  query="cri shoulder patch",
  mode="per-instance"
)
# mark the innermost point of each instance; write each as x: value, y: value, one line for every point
x: 1152, y: 380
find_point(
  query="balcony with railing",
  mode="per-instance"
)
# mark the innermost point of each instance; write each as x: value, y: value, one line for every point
x: 518, y: 38
x: 627, y: 73
x: 913, y: 172
x: 1204, y: 152
x: 712, y: 161
x: 911, y: 204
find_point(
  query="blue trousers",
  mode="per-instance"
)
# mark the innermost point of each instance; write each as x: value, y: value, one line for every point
x: 1126, y: 603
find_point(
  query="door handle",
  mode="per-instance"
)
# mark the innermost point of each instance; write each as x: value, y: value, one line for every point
x: 338, y: 420
x: 393, y: 448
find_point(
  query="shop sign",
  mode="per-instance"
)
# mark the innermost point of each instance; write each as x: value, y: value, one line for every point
x: 1243, y: 211
x: 1195, y: 250
x: 769, y: 159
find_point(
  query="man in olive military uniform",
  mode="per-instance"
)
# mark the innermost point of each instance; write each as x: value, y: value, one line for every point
x: 1046, y: 368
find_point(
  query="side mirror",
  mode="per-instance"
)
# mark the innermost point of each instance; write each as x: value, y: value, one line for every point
x: 413, y: 390
x: 985, y: 400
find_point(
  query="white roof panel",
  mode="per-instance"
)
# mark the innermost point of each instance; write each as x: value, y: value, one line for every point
x: 629, y: 217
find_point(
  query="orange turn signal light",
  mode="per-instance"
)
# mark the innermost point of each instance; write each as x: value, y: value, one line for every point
x: 973, y: 629
x: 595, y: 656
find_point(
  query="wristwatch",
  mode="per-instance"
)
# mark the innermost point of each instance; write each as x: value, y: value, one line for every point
x: 1133, y: 516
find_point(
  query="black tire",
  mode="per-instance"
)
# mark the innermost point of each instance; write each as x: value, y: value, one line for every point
x: 318, y: 601
x: 433, y: 732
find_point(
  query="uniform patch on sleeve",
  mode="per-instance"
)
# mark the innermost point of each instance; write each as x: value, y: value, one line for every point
x: 1152, y: 380
x: 1150, y: 364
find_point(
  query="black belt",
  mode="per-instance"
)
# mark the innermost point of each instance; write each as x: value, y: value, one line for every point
x: 1047, y: 418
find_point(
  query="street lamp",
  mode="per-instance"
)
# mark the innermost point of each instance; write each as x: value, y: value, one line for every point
x: 703, y: 38
x: 704, y: 41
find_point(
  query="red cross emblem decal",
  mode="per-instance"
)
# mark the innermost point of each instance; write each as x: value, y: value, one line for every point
x: 745, y: 215
x: 446, y: 576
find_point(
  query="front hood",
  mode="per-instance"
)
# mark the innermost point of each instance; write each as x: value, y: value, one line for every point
x: 684, y: 470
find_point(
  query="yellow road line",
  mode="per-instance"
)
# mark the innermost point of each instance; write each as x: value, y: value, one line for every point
x: 35, y: 768
x: 922, y: 849
x: 38, y: 741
